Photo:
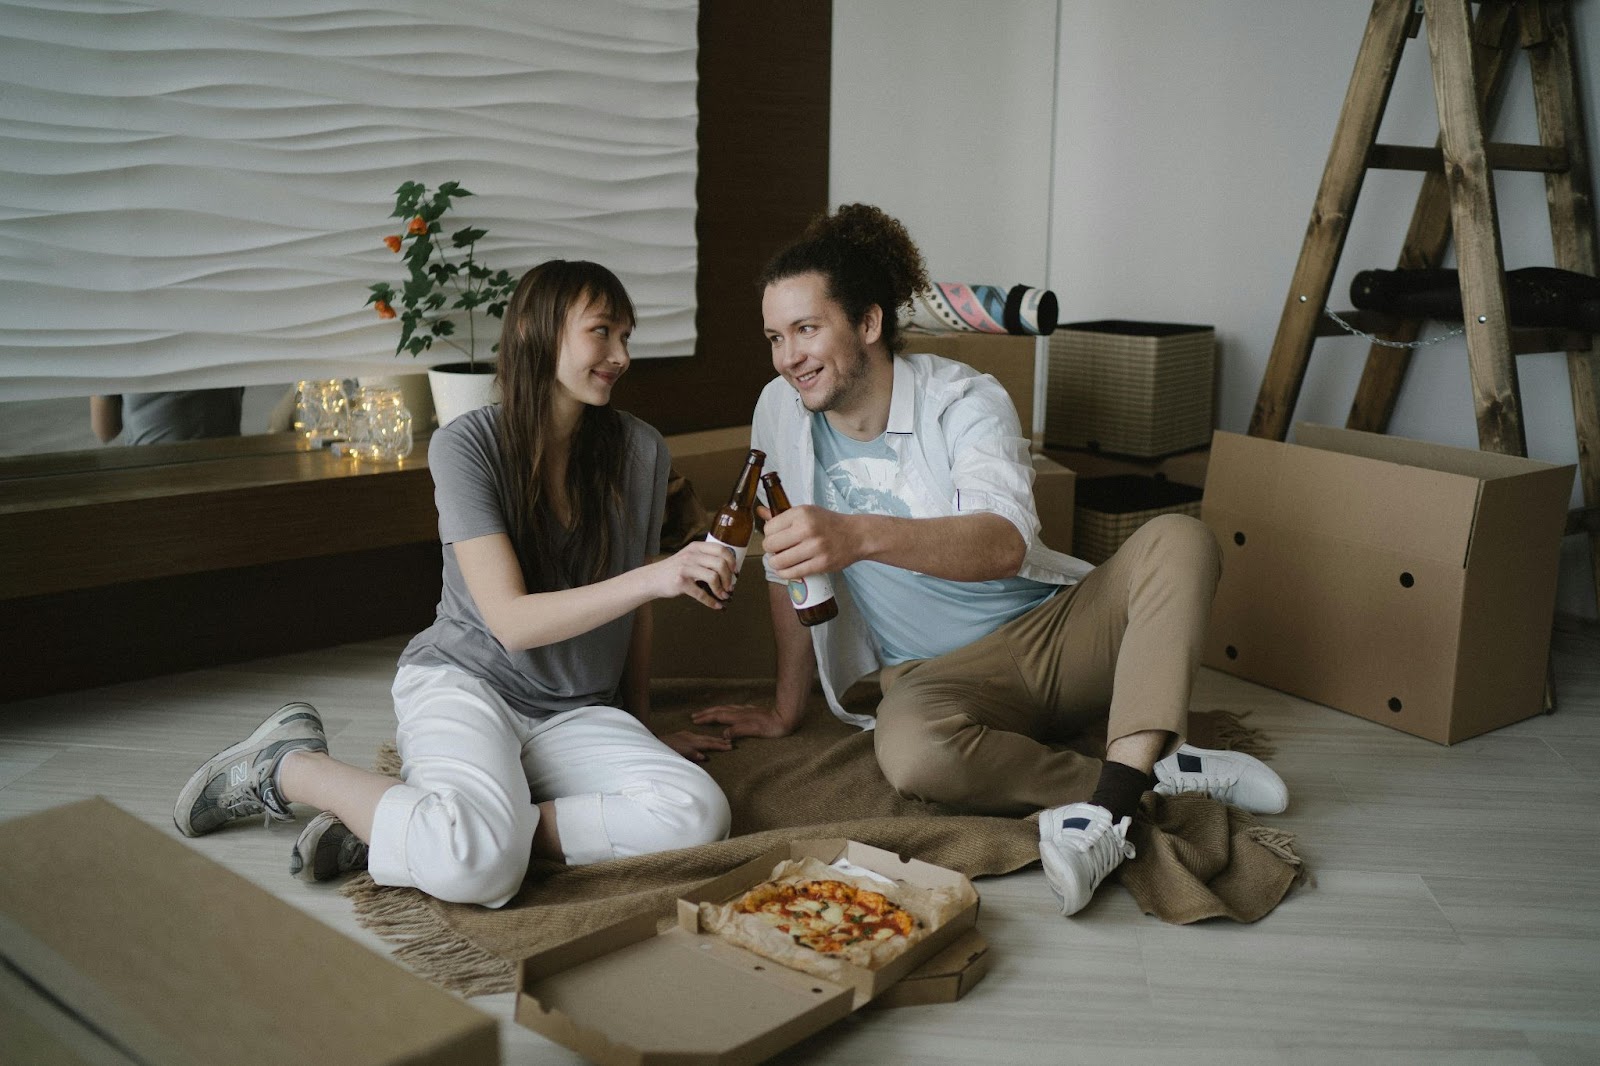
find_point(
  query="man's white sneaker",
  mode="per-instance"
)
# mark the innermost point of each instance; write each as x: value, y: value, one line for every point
x: 1079, y: 846
x: 1227, y: 776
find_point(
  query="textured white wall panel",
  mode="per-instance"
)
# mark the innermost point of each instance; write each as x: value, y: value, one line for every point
x: 195, y: 193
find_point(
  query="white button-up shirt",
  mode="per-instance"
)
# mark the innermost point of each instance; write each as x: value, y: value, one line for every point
x: 962, y: 451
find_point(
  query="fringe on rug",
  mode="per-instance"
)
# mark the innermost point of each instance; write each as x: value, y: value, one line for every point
x: 1281, y: 844
x: 425, y: 944
x: 388, y: 760
x: 1231, y: 734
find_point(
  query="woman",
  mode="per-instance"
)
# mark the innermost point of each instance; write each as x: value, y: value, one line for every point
x: 510, y: 729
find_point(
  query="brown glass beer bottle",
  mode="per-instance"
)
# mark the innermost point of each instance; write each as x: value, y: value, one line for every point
x: 812, y: 596
x: 733, y: 524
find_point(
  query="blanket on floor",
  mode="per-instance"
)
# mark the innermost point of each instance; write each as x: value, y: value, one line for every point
x: 1196, y: 859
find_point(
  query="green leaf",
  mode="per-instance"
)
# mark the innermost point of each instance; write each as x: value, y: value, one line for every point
x: 463, y: 237
x: 443, y: 328
x: 477, y: 271
x: 498, y: 310
x: 435, y: 301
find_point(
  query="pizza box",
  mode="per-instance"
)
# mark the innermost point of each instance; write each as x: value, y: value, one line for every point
x: 628, y: 994
x: 944, y: 978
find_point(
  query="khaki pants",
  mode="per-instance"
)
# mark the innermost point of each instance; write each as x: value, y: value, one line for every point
x: 977, y: 728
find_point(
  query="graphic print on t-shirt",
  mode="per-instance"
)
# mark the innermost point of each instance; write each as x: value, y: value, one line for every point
x: 867, y: 485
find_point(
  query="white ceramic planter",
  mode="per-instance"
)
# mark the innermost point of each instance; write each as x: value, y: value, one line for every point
x: 457, y: 391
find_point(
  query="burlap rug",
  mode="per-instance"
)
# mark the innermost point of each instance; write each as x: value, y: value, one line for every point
x: 1196, y: 858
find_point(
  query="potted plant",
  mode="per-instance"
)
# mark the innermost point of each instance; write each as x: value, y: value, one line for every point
x: 442, y: 298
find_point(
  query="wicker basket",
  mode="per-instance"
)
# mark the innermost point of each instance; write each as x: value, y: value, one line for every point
x: 1110, y: 509
x: 1141, y: 389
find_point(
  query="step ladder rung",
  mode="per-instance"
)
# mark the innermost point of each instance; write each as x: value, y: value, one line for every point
x: 1527, y: 340
x: 1529, y: 157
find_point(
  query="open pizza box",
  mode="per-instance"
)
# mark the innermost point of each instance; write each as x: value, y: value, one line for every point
x: 628, y: 994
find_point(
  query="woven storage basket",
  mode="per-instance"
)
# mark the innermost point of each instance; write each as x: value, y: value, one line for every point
x: 1142, y: 389
x: 1110, y: 509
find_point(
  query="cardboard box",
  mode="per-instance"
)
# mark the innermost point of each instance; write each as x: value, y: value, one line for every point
x: 944, y: 978
x: 711, y: 459
x: 1010, y: 359
x: 1054, y: 493
x: 1111, y: 509
x: 1408, y: 583
x: 691, y: 640
x: 694, y: 998
x: 1131, y: 388
x: 127, y: 942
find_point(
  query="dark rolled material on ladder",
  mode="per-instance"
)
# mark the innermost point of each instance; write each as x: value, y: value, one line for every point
x: 1544, y: 297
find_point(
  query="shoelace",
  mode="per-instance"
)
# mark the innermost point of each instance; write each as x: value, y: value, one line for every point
x: 1104, y: 851
x: 1218, y: 788
x: 247, y: 799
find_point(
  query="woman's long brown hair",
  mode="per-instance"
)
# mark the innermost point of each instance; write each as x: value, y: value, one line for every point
x: 530, y: 341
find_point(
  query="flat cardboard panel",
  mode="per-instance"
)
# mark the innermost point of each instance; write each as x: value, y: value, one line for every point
x: 131, y: 930
x: 1509, y: 599
x: 1329, y: 620
x: 1359, y: 578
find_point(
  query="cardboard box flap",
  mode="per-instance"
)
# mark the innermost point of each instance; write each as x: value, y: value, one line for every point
x: 1482, y: 466
x: 687, y: 997
x: 180, y: 960
x: 1364, y: 499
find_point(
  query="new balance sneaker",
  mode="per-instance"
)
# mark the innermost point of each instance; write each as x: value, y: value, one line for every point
x: 1080, y: 846
x: 242, y: 780
x: 1229, y: 776
x: 326, y: 849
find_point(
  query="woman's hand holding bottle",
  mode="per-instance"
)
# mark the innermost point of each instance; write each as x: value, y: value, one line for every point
x: 698, y: 566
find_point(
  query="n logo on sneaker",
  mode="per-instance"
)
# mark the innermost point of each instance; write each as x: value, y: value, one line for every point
x: 237, y: 774
x: 1188, y: 764
x: 1074, y: 823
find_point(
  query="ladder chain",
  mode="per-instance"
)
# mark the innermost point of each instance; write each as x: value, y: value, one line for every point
x: 1331, y: 313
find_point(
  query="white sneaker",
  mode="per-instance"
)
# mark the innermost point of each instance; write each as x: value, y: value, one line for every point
x: 1228, y: 776
x: 1079, y: 846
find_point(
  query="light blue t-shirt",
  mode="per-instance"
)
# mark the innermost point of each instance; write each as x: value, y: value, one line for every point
x: 911, y: 615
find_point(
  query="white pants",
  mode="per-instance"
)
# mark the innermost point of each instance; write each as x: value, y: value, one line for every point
x: 460, y: 825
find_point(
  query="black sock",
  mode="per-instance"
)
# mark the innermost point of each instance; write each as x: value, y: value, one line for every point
x: 1119, y: 789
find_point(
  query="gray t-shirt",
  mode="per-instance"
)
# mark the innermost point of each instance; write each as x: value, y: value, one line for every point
x: 582, y: 671
x: 154, y: 417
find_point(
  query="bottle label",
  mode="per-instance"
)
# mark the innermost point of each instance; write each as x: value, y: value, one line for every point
x: 737, y: 554
x: 809, y: 591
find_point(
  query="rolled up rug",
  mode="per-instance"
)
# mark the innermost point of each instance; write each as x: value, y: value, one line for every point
x: 1544, y: 297
x: 946, y: 307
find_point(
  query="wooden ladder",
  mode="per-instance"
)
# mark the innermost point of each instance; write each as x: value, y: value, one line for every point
x: 1470, y: 59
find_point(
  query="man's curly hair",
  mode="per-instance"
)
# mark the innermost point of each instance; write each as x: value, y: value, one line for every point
x: 868, y: 259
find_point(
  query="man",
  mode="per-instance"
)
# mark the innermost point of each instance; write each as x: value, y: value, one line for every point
x: 910, y: 478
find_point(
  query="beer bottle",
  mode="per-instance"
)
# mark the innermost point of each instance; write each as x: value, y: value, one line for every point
x: 812, y: 596
x: 734, y: 523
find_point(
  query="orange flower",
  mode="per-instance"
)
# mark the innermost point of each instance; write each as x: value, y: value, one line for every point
x: 417, y: 225
x: 393, y: 241
x: 383, y: 309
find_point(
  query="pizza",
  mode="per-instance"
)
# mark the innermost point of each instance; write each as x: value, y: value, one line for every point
x: 827, y: 916
x: 818, y: 919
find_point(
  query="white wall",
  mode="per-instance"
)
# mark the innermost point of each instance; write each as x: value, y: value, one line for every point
x: 1190, y: 139
x: 941, y: 115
